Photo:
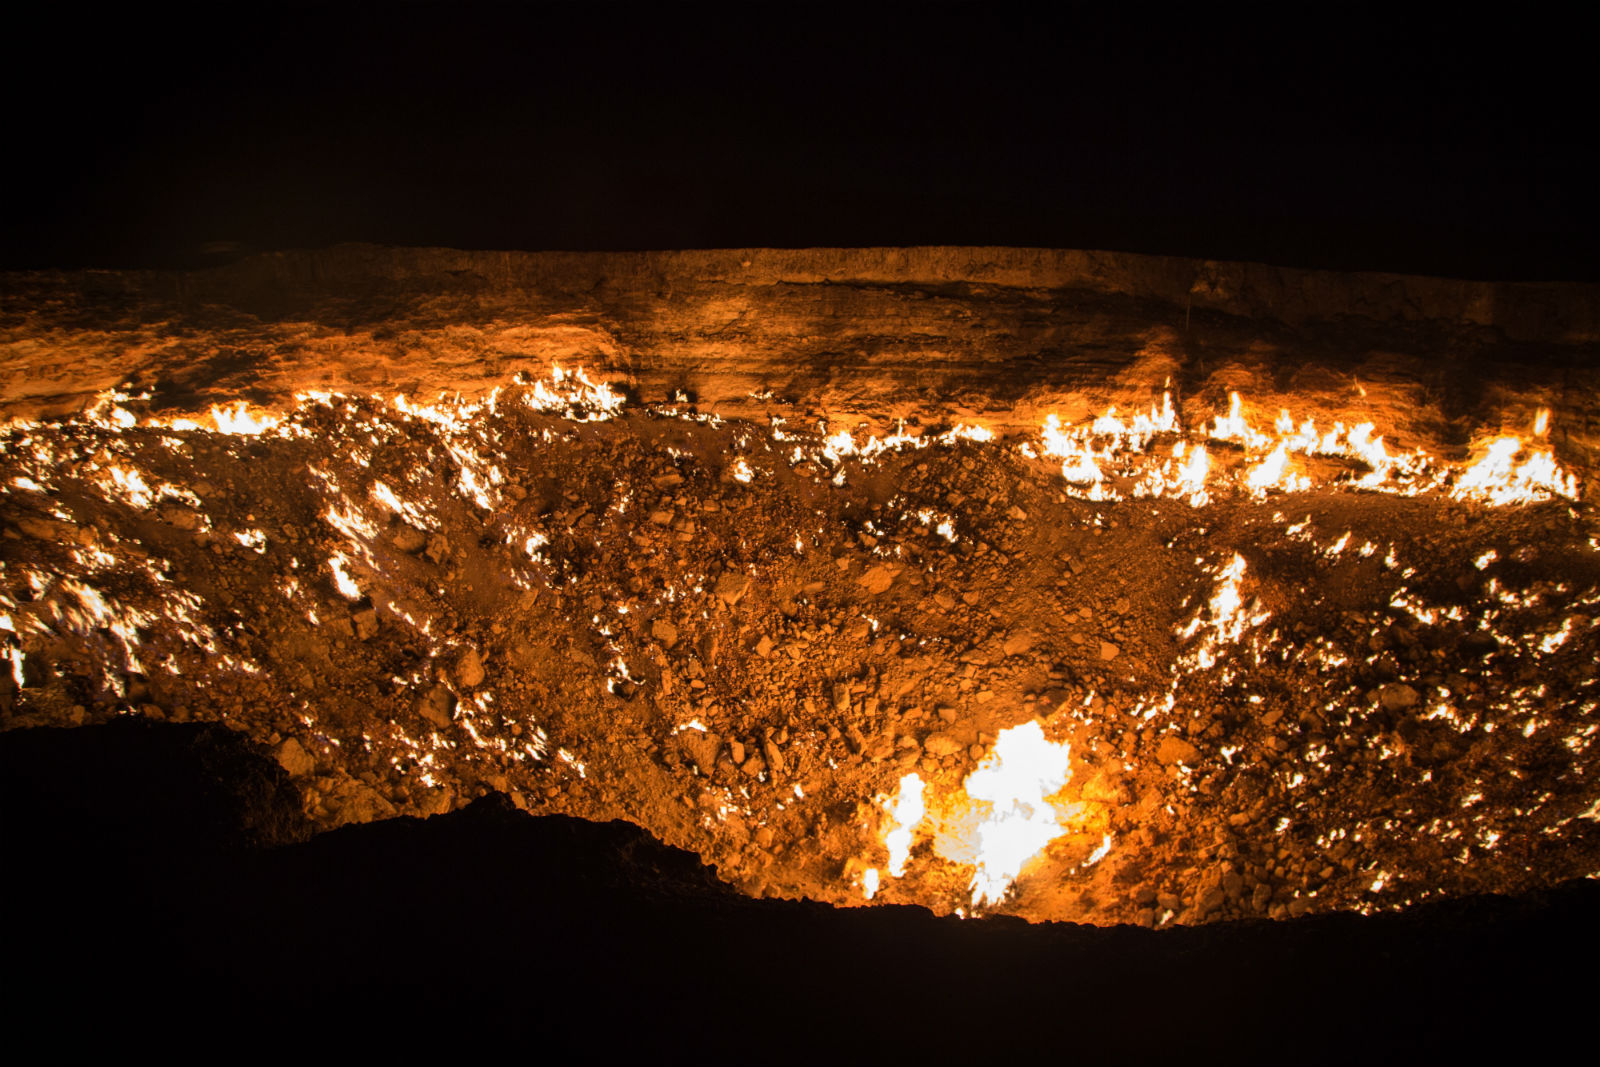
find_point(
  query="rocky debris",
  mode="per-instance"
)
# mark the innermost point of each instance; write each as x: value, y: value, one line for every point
x: 408, y: 538
x: 181, y: 517
x: 53, y: 530
x: 702, y: 749
x: 435, y: 802
x: 1397, y: 696
x: 731, y: 587
x: 1019, y: 642
x: 365, y: 622
x: 774, y: 756
x: 878, y: 579
x: 468, y: 669
x: 294, y: 759
x: 359, y: 803
x: 665, y: 632
x: 436, y: 705
x: 772, y: 654
x: 338, y: 626
x: 1174, y: 750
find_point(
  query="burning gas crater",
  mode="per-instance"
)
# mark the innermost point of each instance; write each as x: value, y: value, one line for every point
x: 1125, y: 670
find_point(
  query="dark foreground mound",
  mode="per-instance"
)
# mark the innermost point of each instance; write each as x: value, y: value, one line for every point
x: 161, y: 894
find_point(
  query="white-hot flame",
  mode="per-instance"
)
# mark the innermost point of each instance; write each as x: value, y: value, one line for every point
x: 574, y: 392
x: 1015, y: 779
x: 905, y: 811
x: 1234, y: 427
x: 1498, y: 478
x: 1190, y: 480
x: 1228, y: 617
x: 341, y: 577
x: 239, y: 420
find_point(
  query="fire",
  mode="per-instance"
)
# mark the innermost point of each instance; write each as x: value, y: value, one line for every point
x: 575, y: 394
x: 1010, y: 807
x: 1226, y: 616
x: 1096, y: 453
x: 1233, y: 427
x: 1014, y: 780
x: 1190, y: 480
x: 1273, y: 473
x: 239, y: 420
x: 997, y: 821
x: 905, y: 812
x: 838, y: 445
x: 1498, y: 478
x: 341, y: 577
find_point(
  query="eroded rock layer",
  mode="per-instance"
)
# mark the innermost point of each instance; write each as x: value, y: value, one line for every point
x: 867, y: 334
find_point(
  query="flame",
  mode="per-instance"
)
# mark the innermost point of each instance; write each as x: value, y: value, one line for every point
x: 999, y: 820
x: 255, y: 540
x: 574, y: 394
x: 341, y: 577
x: 1273, y: 473
x: 239, y: 420
x: 1498, y: 478
x: 1112, y: 442
x: 1015, y: 779
x: 838, y: 445
x: 1190, y: 480
x: 1233, y: 427
x: 130, y: 485
x: 391, y: 501
x: 1228, y: 617
x: 905, y: 812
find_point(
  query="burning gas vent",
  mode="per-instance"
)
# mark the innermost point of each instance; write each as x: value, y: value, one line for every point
x: 1133, y: 667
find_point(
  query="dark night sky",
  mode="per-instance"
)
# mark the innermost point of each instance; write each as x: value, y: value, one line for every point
x: 143, y: 138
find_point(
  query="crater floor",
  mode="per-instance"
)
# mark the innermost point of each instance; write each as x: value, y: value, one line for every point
x: 743, y: 636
